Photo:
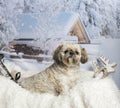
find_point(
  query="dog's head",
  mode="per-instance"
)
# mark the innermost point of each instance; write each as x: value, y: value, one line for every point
x: 70, y: 55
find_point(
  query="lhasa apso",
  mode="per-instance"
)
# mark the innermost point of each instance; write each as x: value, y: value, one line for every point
x: 62, y: 75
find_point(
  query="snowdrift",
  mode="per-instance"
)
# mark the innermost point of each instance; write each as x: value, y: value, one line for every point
x: 88, y: 93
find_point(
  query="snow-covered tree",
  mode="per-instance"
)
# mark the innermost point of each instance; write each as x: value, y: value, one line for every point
x: 101, y: 17
x: 118, y: 18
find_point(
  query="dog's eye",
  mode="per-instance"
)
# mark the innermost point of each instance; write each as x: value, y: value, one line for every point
x: 66, y: 51
x: 77, y: 52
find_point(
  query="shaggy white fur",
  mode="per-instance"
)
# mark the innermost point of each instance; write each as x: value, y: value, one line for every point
x: 88, y: 93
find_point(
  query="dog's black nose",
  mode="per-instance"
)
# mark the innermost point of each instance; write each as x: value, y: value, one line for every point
x: 71, y: 53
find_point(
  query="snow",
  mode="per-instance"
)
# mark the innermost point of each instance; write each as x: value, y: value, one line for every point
x: 26, y: 67
x: 101, y: 18
x: 71, y: 21
x: 29, y: 25
x: 108, y: 48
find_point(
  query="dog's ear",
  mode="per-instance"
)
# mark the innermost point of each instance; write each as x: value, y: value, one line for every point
x: 84, y: 56
x: 56, y: 55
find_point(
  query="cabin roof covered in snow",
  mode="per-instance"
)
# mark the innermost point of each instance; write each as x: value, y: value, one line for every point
x: 44, y: 25
x: 66, y: 20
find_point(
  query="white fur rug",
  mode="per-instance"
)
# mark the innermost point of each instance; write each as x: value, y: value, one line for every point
x: 88, y: 93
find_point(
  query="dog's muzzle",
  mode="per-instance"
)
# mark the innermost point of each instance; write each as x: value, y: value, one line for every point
x: 72, y: 58
x: 71, y: 54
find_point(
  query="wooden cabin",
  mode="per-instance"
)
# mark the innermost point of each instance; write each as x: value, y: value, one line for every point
x: 61, y: 26
x: 77, y: 28
x: 41, y: 33
x: 71, y: 25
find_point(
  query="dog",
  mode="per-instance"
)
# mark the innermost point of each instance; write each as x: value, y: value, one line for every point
x: 62, y: 75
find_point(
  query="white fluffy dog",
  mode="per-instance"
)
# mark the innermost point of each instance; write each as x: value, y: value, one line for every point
x: 62, y: 75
